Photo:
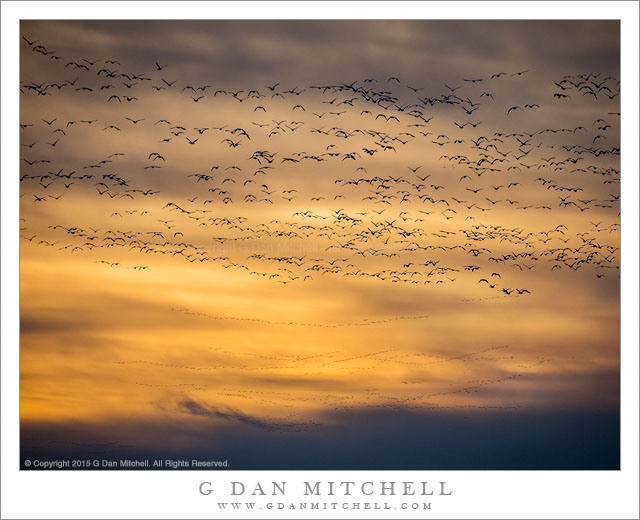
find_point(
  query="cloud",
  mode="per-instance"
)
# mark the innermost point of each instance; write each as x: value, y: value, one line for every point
x: 364, y: 439
x: 201, y: 410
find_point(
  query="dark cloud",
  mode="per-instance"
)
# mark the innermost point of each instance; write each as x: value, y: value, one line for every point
x: 430, y: 51
x: 363, y: 439
x: 202, y: 410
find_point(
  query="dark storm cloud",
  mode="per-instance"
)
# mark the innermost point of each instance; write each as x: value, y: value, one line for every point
x: 203, y: 410
x: 45, y: 326
x: 363, y: 439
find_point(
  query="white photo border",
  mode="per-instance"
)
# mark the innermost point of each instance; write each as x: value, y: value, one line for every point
x: 175, y: 494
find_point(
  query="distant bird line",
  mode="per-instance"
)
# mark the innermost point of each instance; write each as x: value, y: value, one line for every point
x: 260, y: 321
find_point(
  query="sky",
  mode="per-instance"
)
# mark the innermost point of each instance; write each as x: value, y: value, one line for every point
x: 290, y: 243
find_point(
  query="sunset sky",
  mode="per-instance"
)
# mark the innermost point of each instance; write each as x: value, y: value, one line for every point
x: 291, y: 243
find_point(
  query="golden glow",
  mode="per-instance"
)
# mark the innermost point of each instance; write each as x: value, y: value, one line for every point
x: 169, y: 314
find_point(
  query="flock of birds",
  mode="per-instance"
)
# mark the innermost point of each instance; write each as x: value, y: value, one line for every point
x: 400, y: 214
x: 373, y: 179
